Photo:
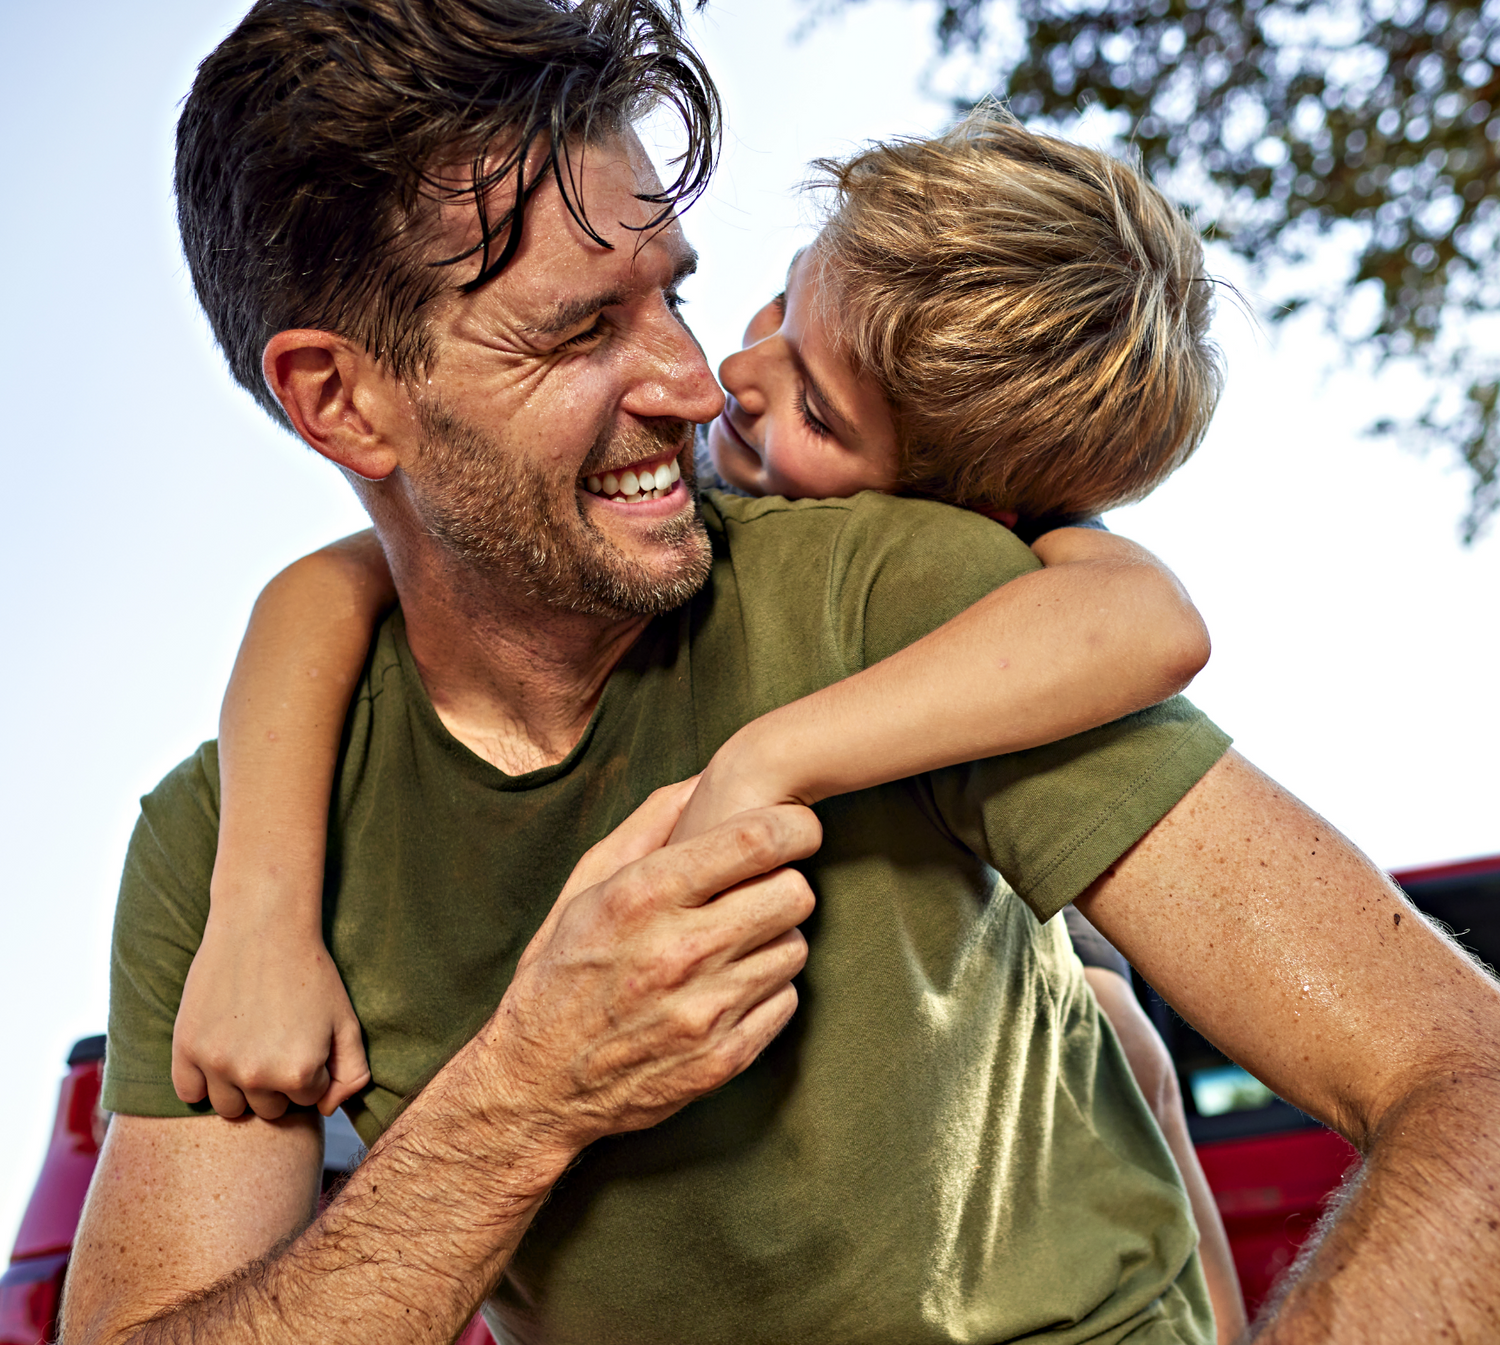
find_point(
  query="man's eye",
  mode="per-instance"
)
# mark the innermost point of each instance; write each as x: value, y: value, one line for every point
x: 675, y: 301
x: 582, y: 338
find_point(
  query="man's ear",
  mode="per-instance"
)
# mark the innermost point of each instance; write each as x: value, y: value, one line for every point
x: 328, y: 388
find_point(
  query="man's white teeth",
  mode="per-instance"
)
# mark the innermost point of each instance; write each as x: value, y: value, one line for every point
x: 634, y: 487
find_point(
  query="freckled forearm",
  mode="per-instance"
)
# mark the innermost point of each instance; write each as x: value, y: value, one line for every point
x: 405, y: 1253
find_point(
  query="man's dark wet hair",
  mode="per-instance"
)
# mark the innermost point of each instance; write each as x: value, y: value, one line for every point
x: 320, y: 137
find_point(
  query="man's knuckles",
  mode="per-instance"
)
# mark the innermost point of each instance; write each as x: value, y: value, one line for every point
x: 761, y: 840
x: 695, y: 1021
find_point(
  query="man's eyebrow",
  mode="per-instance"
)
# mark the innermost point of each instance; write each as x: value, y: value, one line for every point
x: 687, y: 264
x: 568, y: 313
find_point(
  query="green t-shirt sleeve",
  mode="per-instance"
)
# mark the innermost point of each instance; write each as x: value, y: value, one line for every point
x: 1054, y: 818
x: 158, y: 925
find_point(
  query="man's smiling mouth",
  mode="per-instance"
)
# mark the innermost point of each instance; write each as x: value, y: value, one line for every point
x: 648, y: 480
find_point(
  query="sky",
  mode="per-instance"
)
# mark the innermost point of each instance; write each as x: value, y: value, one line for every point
x: 1355, y: 640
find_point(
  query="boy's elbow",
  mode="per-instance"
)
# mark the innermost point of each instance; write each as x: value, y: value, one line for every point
x: 1190, y: 650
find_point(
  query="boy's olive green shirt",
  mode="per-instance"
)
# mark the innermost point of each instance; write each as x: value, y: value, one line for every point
x: 944, y: 1145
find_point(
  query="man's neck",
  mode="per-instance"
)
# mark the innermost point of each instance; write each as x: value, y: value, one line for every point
x: 514, y: 680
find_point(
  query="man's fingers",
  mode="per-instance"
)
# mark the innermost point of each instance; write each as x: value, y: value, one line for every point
x: 645, y: 830
x: 753, y: 917
x: 759, y: 1028
x: 765, y: 972
x: 695, y: 871
x: 759, y: 910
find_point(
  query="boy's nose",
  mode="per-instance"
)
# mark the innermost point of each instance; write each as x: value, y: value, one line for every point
x: 737, y: 374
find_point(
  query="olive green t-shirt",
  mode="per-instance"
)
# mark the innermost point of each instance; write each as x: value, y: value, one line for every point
x: 944, y: 1145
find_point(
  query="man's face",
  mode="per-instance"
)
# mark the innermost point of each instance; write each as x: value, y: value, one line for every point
x: 559, y: 390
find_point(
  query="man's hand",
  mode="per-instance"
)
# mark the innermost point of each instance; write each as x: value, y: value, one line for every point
x: 661, y: 981
x: 661, y: 972
x: 1290, y: 951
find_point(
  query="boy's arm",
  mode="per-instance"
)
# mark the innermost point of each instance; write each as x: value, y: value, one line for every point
x: 1103, y: 631
x: 264, y: 1016
x: 1153, y: 1071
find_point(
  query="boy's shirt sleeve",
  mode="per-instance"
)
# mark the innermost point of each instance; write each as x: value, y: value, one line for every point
x: 159, y: 921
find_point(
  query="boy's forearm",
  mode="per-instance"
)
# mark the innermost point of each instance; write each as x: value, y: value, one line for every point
x: 1045, y: 656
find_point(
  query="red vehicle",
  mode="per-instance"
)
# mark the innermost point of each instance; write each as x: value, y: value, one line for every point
x: 1271, y: 1167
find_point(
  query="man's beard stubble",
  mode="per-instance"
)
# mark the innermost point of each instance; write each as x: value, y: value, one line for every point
x: 502, y: 517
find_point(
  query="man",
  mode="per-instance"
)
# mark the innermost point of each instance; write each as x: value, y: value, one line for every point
x: 886, y: 1170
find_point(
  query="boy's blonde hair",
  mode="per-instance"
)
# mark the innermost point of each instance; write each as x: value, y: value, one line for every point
x: 1035, y: 312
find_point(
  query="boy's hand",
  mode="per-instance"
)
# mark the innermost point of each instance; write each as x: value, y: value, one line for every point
x: 264, y: 1023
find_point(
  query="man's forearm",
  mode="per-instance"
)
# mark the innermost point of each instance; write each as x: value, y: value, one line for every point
x: 1413, y: 1254
x: 659, y: 974
x: 418, y: 1235
x: 1292, y: 953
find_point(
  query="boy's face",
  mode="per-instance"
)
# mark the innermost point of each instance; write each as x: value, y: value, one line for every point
x: 798, y: 421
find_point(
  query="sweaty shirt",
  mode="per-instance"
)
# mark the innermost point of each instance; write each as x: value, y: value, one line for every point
x: 944, y: 1145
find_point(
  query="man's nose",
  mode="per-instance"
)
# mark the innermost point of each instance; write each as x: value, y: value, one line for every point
x: 678, y: 382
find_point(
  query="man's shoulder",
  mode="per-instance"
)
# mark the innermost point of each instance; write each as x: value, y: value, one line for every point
x: 875, y: 507
x: 870, y: 529
x: 190, y: 789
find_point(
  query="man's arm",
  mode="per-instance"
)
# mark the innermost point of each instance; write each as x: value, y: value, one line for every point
x: 1282, y: 944
x: 658, y: 975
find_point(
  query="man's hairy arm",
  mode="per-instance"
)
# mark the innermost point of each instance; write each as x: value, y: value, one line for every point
x: 658, y: 975
x: 1281, y: 943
